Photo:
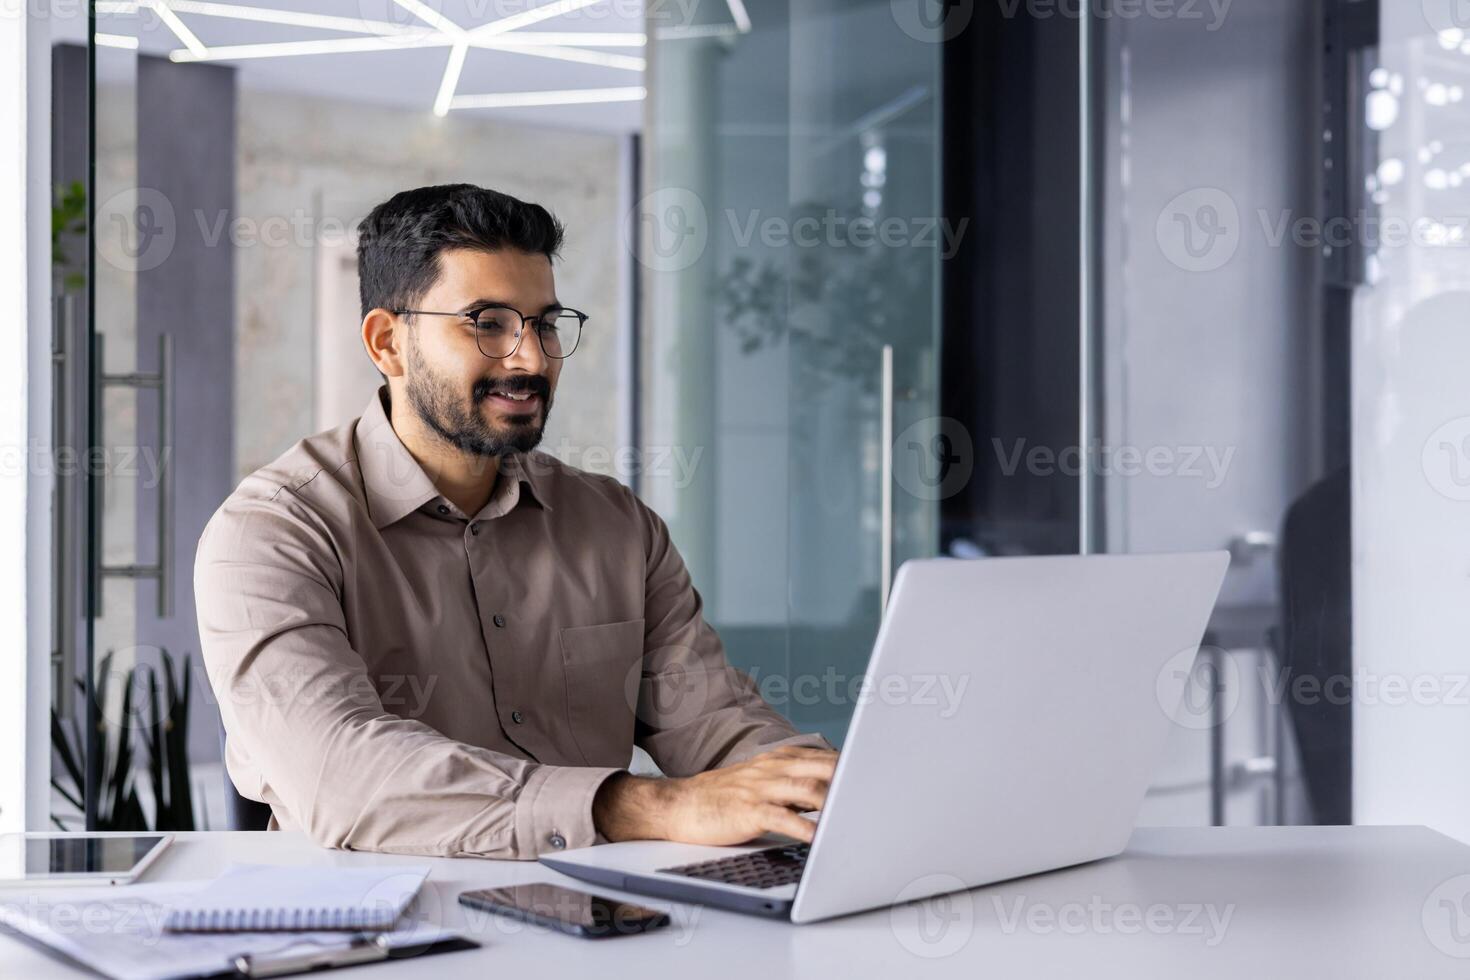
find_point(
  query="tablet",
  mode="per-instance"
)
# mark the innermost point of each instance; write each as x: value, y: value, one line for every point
x: 95, y: 858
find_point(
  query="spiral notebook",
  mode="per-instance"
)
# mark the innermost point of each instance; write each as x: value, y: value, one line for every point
x: 267, y: 898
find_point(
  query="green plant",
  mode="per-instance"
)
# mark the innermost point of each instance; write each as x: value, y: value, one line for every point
x: 68, y: 219
x: 164, y: 731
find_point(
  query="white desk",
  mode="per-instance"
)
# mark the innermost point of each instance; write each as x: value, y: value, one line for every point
x: 1340, y: 902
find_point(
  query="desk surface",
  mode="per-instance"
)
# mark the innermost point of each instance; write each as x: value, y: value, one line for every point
x: 1341, y: 902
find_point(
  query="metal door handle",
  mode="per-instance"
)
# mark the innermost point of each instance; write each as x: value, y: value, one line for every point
x: 885, y: 546
x: 161, y: 570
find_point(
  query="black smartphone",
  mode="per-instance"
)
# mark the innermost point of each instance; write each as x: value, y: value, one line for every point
x: 573, y: 912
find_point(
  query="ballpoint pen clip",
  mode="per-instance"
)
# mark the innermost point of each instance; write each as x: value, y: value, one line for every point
x: 363, y: 949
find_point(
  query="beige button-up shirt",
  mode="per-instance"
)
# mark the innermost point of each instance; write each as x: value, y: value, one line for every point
x: 395, y: 675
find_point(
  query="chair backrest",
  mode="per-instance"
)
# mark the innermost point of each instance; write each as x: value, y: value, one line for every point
x: 1317, y: 639
x: 242, y: 813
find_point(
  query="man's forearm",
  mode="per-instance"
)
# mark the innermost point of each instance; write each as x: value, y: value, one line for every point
x: 730, y: 805
x: 629, y: 807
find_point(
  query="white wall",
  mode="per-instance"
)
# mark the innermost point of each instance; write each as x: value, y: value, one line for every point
x: 25, y: 515
x: 1411, y: 493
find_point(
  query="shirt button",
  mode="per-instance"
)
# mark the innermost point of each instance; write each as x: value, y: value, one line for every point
x: 474, y: 529
x: 499, y: 620
x: 557, y: 841
x: 517, y: 717
x: 443, y: 509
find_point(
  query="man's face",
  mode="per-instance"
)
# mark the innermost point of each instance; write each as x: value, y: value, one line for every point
x: 482, y: 405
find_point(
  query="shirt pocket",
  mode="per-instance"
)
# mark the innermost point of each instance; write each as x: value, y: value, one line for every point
x: 603, y: 669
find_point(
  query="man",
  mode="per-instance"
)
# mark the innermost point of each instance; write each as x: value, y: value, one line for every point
x: 427, y: 638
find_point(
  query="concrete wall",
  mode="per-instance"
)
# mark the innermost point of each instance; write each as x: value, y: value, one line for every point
x: 311, y: 168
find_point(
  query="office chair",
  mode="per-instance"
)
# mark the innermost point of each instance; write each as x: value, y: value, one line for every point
x: 242, y: 813
x: 1317, y: 639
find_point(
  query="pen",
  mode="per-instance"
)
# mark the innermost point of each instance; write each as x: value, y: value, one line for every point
x: 363, y: 949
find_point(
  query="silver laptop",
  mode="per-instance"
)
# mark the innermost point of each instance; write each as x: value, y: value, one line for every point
x: 1026, y: 707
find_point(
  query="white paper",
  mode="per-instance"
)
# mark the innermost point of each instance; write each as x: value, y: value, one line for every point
x: 118, y: 931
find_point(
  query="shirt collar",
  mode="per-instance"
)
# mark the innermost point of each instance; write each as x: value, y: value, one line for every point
x: 394, y: 482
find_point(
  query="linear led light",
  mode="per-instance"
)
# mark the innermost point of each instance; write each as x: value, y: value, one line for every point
x: 180, y: 29
x: 350, y: 45
x: 450, y: 81
x: 575, y: 96
x: 431, y: 17
x: 739, y: 15
x: 290, y: 18
x: 533, y: 16
x: 588, y: 39
x: 626, y: 62
x: 115, y: 41
x: 285, y: 49
x: 693, y: 31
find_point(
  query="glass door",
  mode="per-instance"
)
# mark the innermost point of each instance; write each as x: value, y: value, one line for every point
x: 789, y: 235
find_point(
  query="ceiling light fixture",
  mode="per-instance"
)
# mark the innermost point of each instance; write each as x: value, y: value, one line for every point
x: 116, y: 41
x: 180, y: 29
x: 450, y: 81
x: 439, y: 31
x: 574, y: 96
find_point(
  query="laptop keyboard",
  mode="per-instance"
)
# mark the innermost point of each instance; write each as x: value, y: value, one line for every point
x: 768, y: 868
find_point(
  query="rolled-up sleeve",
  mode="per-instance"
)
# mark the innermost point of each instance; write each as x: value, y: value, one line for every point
x: 695, y: 711
x: 308, y: 733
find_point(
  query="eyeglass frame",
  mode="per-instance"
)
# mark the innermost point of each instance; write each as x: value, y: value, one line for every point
x: 473, y: 315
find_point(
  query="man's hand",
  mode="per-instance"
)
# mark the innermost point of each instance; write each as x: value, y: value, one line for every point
x: 722, y: 806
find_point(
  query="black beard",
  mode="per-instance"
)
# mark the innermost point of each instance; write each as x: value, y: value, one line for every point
x: 465, y: 428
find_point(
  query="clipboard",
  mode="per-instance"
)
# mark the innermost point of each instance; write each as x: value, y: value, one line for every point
x: 361, y: 949
x: 126, y: 947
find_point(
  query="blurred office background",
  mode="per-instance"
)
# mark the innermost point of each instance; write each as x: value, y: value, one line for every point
x: 869, y: 280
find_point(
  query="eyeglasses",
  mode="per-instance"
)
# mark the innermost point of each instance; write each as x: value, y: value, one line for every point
x: 498, y: 329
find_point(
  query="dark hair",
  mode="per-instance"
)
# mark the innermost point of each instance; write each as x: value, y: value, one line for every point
x: 400, y: 240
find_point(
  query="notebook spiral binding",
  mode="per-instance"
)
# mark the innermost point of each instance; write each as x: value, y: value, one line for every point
x: 277, y: 919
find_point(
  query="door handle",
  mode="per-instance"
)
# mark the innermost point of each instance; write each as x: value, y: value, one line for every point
x: 161, y: 570
x: 885, y: 496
